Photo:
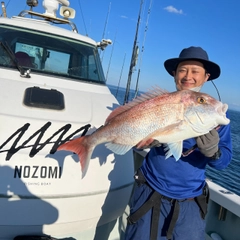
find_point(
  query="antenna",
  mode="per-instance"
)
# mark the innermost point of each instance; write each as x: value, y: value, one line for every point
x: 133, y: 57
x: 145, y: 34
x: 111, y: 56
x: 106, y: 20
x: 121, y: 74
x: 105, y: 27
x: 79, y: 2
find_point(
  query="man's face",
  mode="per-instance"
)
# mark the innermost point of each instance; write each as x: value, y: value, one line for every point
x: 190, y: 74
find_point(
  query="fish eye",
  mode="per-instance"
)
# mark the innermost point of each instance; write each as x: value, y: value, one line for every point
x: 201, y: 100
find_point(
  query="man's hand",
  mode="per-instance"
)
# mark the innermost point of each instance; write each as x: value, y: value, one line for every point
x: 154, y: 143
x: 208, y: 143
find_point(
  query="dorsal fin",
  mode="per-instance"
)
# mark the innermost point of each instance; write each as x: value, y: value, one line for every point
x: 152, y: 93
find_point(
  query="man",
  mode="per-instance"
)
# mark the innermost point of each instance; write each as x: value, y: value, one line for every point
x: 170, y: 198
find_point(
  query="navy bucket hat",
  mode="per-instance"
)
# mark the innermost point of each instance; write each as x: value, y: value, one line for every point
x: 193, y: 53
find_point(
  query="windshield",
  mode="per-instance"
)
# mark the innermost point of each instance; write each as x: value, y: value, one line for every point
x: 51, y: 54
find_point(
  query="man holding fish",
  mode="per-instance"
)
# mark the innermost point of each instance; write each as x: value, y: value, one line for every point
x: 190, y: 129
x: 170, y: 197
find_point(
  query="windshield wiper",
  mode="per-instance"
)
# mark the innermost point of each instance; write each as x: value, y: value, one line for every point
x: 23, y: 72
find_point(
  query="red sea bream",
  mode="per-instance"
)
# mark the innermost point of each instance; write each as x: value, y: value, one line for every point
x: 158, y: 115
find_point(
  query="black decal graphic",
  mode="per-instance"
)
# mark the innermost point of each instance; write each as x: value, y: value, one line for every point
x: 13, y: 150
x: 18, y: 172
x: 34, y: 173
x: 41, y: 132
x: 59, y: 141
x: 37, y: 172
x: 37, y: 146
x: 55, y: 173
x: 43, y: 172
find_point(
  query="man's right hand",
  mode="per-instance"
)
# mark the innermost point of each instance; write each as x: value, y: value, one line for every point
x: 154, y: 143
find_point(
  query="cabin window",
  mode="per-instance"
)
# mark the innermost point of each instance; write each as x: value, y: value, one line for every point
x: 51, y: 54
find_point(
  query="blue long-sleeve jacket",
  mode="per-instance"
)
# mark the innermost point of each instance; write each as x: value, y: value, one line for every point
x: 184, y: 178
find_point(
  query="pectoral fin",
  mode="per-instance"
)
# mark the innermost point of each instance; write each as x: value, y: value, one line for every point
x: 118, y: 148
x: 174, y: 149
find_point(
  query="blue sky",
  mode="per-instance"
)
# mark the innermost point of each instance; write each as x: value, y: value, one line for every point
x: 171, y: 26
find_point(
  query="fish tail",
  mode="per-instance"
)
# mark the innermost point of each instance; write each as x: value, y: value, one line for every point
x: 82, y: 149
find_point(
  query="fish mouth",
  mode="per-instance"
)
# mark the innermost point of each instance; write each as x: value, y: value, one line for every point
x: 222, y: 109
x: 222, y: 112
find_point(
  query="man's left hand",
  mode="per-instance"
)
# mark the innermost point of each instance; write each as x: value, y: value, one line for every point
x: 208, y: 143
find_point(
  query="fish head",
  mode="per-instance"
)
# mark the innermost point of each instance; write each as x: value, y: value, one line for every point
x: 203, y: 112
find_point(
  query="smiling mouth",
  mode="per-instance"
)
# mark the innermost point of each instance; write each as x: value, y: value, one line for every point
x: 187, y: 83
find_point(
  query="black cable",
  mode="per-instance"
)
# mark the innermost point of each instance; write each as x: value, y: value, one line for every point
x: 216, y: 90
x: 83, y: 17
